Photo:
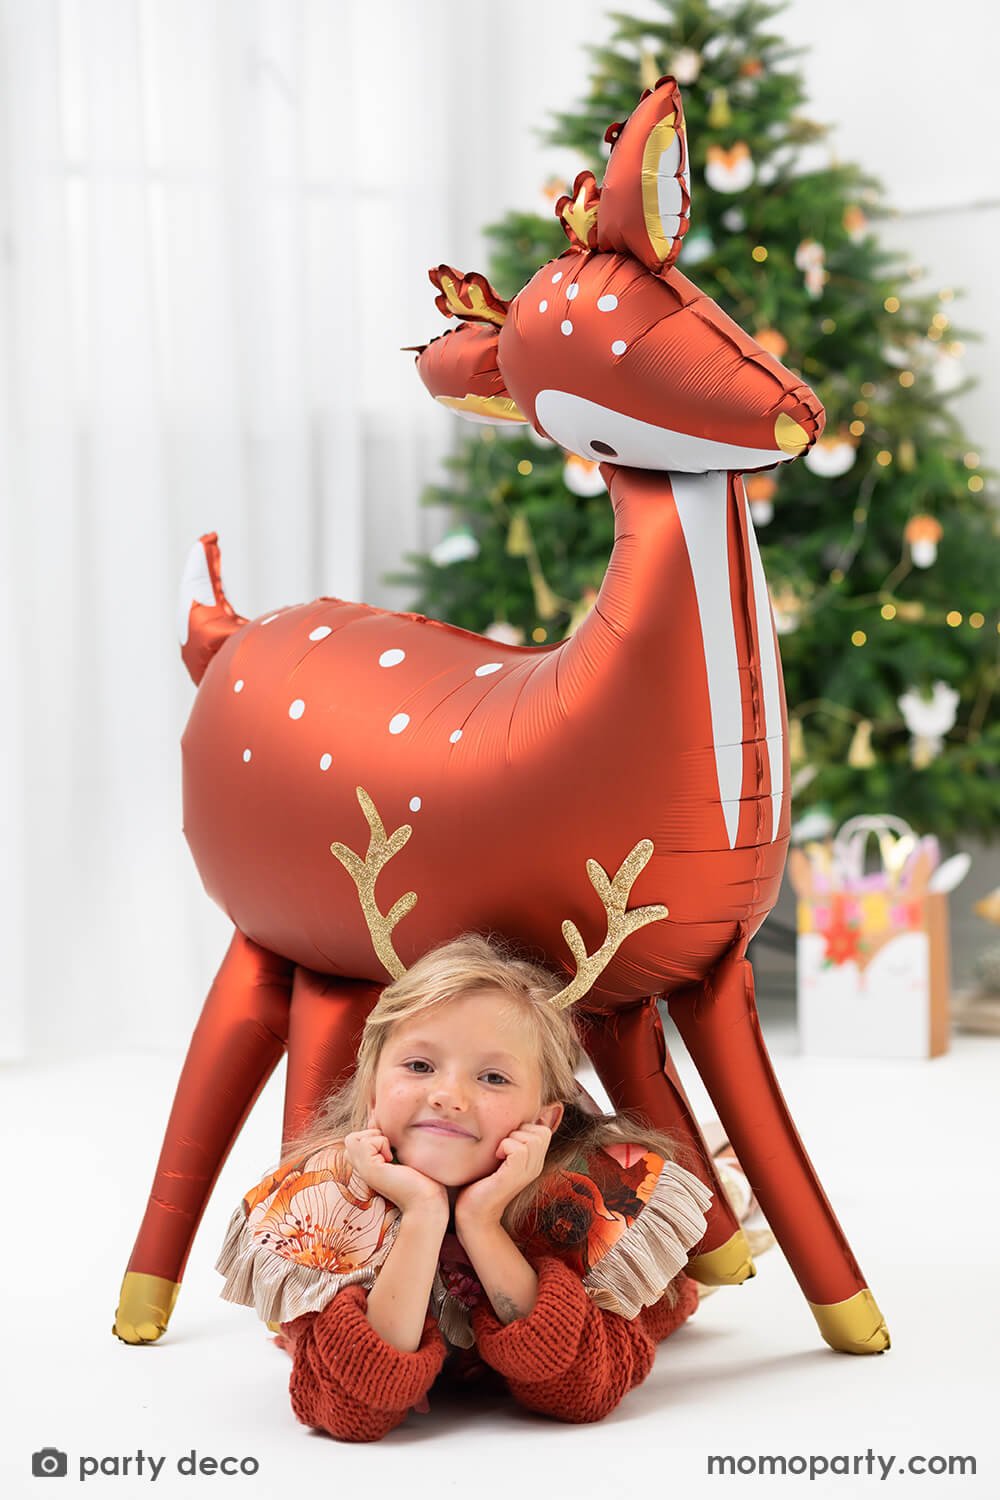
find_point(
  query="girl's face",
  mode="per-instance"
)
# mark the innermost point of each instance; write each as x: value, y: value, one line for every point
x: 452, y: 1082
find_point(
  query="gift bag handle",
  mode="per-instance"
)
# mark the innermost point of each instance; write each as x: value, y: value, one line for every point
x: 852, y: 839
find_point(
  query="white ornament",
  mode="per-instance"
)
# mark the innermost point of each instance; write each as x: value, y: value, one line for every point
x: 928, y: 720
x: 923, y: 551
x: 503, y: 630
x: 685, y: 65
x: 696, y: 247
x: 729, y: 171
x: 455, y: 546
x: 735, y: 220
x: 582, y: 477
x: 830, y: 457
x: 762, y: 512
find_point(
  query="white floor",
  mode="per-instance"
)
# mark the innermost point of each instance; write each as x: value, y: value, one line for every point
x: 906, y: 1152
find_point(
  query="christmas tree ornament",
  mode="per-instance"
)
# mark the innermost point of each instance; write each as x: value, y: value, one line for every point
x: 362, y: 785
x: 504, y: 631
x: 861, y: 752
x: 922, y: 534
x: 697, y: 247
x: 729, y: 171
x: 760, y: 490
x: 649, y: 70
x: 787, y: 608
x: 457, y: 545
x: 719, y: 114
x: 854, y: 222
x: 518, y: 535
x: 832, y: 455
x: 810, y: 258
x: 774, y: 342
x: 928, y: 721
x: 735, y: 220
x: 582, y: 476
x: 685, y: 65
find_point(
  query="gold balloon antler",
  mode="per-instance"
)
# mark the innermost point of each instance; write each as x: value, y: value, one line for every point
x: 366, y: 872
x: 614, y: 894
x: 468, y: 297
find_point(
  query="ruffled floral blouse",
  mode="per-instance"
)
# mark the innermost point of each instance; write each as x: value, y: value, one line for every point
x: 622, y: 1218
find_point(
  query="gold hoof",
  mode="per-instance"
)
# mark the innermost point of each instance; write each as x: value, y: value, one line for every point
x: 144, y: 1308
x: 727, y: 1265
x: 855, y: 1326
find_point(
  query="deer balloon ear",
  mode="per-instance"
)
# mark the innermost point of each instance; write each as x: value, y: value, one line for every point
x: 645, y: 199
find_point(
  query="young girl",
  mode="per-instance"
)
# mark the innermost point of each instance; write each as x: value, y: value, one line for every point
x: 456, y: 1203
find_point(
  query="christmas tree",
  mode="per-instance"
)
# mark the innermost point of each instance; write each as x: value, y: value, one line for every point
x: 880, y: 547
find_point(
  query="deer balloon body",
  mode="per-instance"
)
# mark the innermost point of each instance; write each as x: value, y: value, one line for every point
x: 361, y: 785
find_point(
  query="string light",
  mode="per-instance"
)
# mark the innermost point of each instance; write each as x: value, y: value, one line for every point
x: 939, y: 320
x: 977, y: 620
x: 857, y: 428
x: 538, y: 634
x: 525, y: 466
x: 888, y: 611
x: 971, y: 460
x: 934, y: 333
x: 946, y: 294
x: 858, y: 638
x: 953, y: 617
x: 976, y: 483
x: 906, y: 377
x: 861, y: 408
x: 828, y: 326
x: 759, y: 252
x: 883, y: 458
x: 867, y: 389
x: 956, y: 347
x: 891, y: 304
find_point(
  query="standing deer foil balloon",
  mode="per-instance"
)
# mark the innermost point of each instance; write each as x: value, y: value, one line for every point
x: 362, y: 785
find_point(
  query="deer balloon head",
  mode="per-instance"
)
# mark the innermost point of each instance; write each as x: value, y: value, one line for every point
x: 609, y: 350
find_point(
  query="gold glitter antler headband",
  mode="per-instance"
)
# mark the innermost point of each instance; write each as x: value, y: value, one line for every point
x: 613, y: 892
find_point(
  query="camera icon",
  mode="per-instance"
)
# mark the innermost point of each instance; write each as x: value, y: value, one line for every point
x: 48, y: 1463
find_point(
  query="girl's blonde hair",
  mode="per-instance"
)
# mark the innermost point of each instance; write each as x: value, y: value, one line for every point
x: 454, y: 969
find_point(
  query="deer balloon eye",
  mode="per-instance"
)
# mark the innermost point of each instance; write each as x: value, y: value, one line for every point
x: 604, y: 448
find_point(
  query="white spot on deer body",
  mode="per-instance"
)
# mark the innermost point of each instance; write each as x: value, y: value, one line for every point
x: 557, y: 277
x: 543, y: 306
x: 455, y: 736
x: 619, y: 346
x: 325, y: 762
x: 246, y: 755
x: 572, y: 290
x: 607, y: 303
x: 414, y: 804
x: 566, y: 326
x: 320, y: 633
x: 398, y: 723
x: 238, y: 685
x: 296, y: 708
x: 491, y: 666
x: 391, y: 658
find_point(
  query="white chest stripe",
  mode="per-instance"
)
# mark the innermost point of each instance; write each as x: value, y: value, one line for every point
x: 769, y: 673
x: 701, y: 509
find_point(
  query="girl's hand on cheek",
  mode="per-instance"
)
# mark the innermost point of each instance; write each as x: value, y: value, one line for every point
x: 370, y: 1154
x: 523, y: 1157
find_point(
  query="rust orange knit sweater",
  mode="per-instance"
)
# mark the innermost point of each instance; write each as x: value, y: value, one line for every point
x: 568, y: 1358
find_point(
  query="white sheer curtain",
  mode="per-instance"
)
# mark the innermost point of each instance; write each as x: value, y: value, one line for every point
x: 217, y: 219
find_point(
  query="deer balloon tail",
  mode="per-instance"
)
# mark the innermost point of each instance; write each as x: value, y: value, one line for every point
x: 205, y: 617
